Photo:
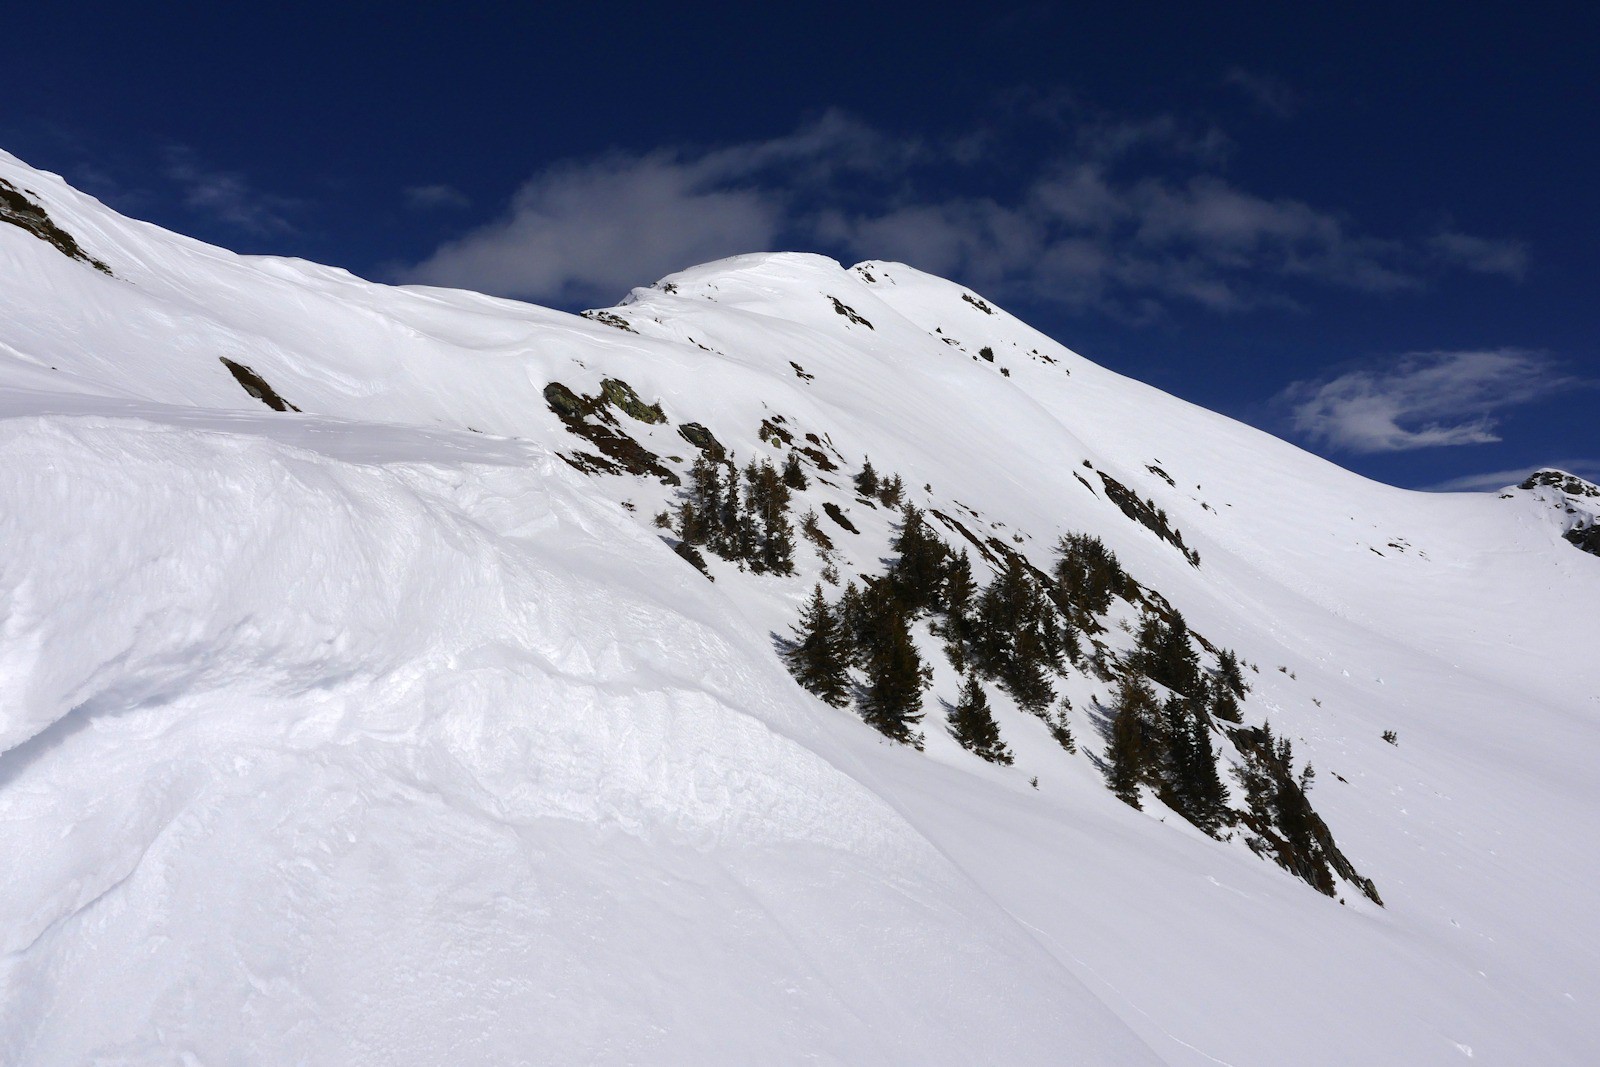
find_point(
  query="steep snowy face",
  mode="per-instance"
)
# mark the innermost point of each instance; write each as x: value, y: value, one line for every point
x: 365, y: 698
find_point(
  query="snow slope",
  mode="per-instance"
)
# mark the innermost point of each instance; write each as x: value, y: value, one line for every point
x: 376, y: 733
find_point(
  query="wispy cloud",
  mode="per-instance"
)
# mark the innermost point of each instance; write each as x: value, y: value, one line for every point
x: 1270, y: 94
x: 1492, y: 480
x: 227, y: 195
x: 1127, y: 217
x: 1422, y: 400
x: 1481, y: 254
x: 426, y: 197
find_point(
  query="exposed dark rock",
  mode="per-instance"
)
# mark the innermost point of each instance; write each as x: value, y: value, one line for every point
x: 837, y: 514
x: 607, y: 318
x: 19, y: 211
x: 1555, y: 479
x: 1283, y: 824
x: 1147, y: 515
x: 256, y: 386
x: 702, y: 438
x: 817, y: 456
x: 773, y: 433
x: 1585, y: 538
x: 620, y: 395
x: 619, y: 453
x: 564, y: 402
x: 977, y: 303
x: 849, y: 312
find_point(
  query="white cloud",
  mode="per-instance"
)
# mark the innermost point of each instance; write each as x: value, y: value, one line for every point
x: 1425, y: 400
x: 425, y: 197
x: 589, y: 231
x: 227, y: 195
x: 1270, y: 94
x: 1086, y: 230
x: 1483, y: 255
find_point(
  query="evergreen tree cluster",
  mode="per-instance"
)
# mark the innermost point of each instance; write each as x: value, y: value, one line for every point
x: 1088, y: 576
x: 888, y: 491
x: 1018, y: 639
x: 1277, y: 808
x: 869, y: 629
x: 972, y: 724
x: 1019, y: 632
x: 1166, y: 744
x: 739, y: 516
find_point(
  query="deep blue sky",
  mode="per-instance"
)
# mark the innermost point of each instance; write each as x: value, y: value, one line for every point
x: 1370, y: 231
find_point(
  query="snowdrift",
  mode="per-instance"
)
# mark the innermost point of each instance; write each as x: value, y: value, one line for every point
x: 374, y: 731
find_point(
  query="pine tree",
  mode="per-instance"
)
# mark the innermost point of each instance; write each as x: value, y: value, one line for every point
x: 867, y: 480
x: 1221, y: 703
x: 1088, y: 574
x: 1189, y: 782
x: 1230, y: 674
x: 896, y: 677
x: 700, y: 513
x: 1128, y: 753
x: 891, y: 491
x: 1165, y: 655
x: 794, y: 475
x: 956, y: 596
x: 972, y: 724
x: 1208, y: 798
x: 919, y: 570
x: 1059, y: 728
x: 770, y: 536
x: 819, y: 660
x: 1015, y: 639
x: 959, y: 588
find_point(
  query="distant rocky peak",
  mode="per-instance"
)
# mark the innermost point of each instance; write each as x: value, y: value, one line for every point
x: 1552, y: 478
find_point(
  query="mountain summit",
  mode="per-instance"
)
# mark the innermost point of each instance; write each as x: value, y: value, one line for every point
x: 792, y: 662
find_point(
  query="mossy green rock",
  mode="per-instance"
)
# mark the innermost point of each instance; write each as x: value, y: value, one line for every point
x: 701, y: 438
x: 620, y: 394
x: 564, y: 401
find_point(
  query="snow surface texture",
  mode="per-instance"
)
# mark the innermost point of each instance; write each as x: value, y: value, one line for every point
x: 378, y: 734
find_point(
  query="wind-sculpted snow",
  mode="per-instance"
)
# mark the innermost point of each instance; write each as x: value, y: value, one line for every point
x: 355, y: 762
x: 374, y: 732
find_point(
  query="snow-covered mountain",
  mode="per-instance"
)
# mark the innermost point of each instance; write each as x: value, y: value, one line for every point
x: 363, y: 698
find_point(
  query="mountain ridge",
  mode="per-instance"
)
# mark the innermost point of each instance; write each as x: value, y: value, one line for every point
x: 1370, y: 599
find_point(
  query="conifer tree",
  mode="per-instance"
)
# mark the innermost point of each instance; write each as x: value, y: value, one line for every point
x: 1088, y: 574
x: 819, y: 658
x: 959, y: 588
x: 1060, y: 729
x: 891, y: 491
x: 1016, y: 638
x: 867, y: 480
x: 1230, y: 674
x: 972, y: 724
x: 794, y: 476
x: 1128, y: 753
x: 700, y: 512
x: 769, y: 535
x: 1207, y: 797
x: 919, y: 571
x: 1166, y: 656
x: 896, y: 676
x: 1221, y: 703
x: 957, y: 626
